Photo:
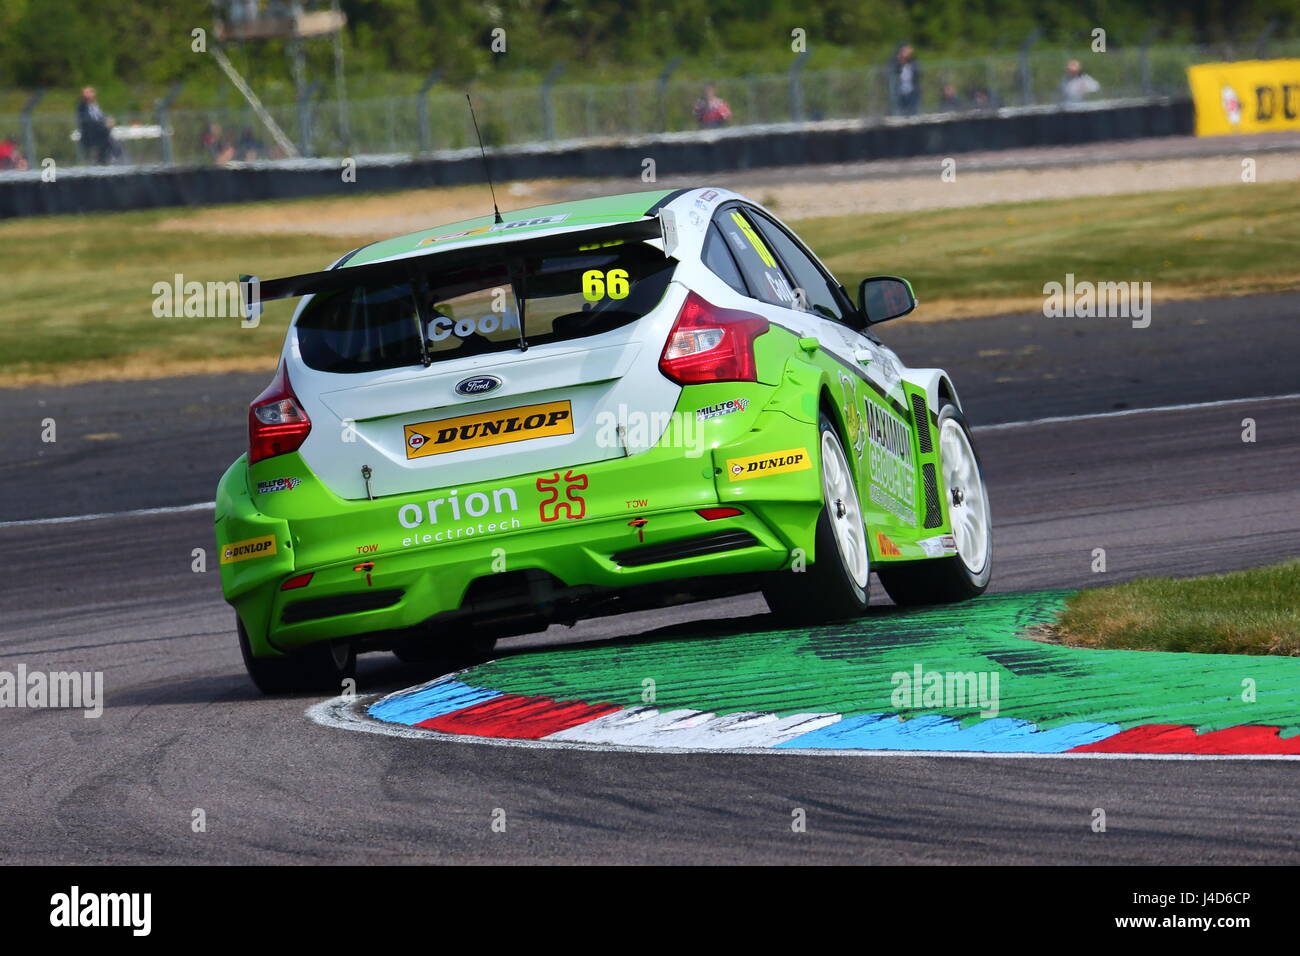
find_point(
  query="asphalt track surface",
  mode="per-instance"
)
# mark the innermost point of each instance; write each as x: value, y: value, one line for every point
x: 1164, y: 492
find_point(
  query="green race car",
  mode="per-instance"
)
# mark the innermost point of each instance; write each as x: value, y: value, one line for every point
x: 589, y: 408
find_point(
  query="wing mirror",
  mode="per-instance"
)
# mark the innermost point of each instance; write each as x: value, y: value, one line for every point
x: 881, y: 298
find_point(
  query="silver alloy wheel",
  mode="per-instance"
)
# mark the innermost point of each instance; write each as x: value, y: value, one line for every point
x: 843, y: 510
x: 968, y: 505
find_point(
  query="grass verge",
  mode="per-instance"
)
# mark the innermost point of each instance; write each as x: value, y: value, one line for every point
x: 81, y: 288
x: 1244, y: 612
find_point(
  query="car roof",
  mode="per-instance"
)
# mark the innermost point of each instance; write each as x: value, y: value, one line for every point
x: 532, y: 221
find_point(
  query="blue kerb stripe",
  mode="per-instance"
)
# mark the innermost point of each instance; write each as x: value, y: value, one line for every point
x: 429, y: 700
x: 936, y: 732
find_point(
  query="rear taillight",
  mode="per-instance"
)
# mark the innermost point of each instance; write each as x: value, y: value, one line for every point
x: 711, y: 344
x: 713, y: 514
x: 276, y: 422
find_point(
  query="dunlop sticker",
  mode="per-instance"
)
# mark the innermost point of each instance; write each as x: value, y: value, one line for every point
x: 773, y: 463
x: 248, y: 548
x: 488, y: 428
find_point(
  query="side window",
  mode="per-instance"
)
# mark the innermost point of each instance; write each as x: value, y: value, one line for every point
x: 818, y: 293
x: 720, y: 262
x: 762, y: 273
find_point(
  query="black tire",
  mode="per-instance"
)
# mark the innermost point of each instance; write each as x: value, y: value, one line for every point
x: 825, y: 590
x: 321, y: 667
x: 473, y: 649
x: 940, y: 580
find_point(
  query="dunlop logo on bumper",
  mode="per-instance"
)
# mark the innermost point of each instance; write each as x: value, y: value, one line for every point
x: 248, y: 548
x: 773, y: 463
x: 488, y: 428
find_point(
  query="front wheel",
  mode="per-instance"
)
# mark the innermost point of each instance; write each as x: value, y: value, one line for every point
x: 965, y: 574
x: 320, y: 667
x: 836, y: 584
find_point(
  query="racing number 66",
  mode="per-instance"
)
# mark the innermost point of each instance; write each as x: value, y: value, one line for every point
x: 599, y: 285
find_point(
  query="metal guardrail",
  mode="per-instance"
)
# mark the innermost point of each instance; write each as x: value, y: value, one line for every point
x: 436, y: 119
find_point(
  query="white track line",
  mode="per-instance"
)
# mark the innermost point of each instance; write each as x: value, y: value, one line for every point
x: 174, y: 509
x: 1137, y: 411
x: 342, y: 713
x: 1029, y: 423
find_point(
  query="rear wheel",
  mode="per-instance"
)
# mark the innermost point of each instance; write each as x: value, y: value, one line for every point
x: 965, y: 574
x: 320, y: 667
x: 474, y: 648
x: 836, y: 584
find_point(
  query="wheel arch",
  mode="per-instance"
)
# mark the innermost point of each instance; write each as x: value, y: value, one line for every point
x: 833, y: 410
x: 937, y: 386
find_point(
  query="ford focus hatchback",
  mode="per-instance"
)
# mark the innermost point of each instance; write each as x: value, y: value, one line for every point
x: 587, y: 408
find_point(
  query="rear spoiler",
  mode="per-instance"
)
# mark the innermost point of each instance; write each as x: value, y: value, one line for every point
x: 402, y: 269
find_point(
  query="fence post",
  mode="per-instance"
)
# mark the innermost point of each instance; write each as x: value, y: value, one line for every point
x: 1144, y: 60
x: 548, y: 110
x: 796, y: 87
x: 664, y: 76
x: 1261, y: 41
x: 163, y: 113
x: 1026, y: 77
x: 29, y: 132
x: 305, y: 95
x: 422, y: 109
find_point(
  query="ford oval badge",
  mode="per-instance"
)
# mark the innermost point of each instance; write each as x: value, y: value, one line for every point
x: 478, y: 385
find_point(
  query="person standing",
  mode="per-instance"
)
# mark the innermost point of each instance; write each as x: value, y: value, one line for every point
x: 905, y: 82
x: 711, y: 110
x: 1076, y: 84
x: 95, y: 128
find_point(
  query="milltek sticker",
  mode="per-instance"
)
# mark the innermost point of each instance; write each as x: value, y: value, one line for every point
x: 720, y: 409
x: 278, y: 484
x: 250, y: 548
x: 488, y: 428
x: 773, y: 463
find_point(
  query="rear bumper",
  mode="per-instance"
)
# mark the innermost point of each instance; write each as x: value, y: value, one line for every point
x: 395, y: 563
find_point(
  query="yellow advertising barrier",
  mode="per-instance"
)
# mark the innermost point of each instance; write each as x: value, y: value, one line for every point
x: 1253, y: 96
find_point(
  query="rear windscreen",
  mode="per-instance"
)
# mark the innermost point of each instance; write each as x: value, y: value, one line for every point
x: 472, y: 311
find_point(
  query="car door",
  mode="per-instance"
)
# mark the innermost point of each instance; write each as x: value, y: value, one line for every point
x: 875, y: 407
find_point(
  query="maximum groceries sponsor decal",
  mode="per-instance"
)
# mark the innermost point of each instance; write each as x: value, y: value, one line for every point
x: 891, y: 463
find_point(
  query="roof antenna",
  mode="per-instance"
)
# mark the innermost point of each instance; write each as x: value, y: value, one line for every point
x: 486, y: 168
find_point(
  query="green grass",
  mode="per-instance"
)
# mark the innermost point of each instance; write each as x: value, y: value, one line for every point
x: 80, y: 288
x: 80, y: 295
x: 1226, y: 240
x: 1245, y: 612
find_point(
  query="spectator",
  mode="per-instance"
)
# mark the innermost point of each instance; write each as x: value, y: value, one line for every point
x: 95, y: 128
x: 981, y: 99
x: 217, y: 145
x: 1076, y: 84
x: 11, y: 157
x: 248, y: 147
x: 905, y: 82
x: 950, y: 100
x: 711, y: 110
